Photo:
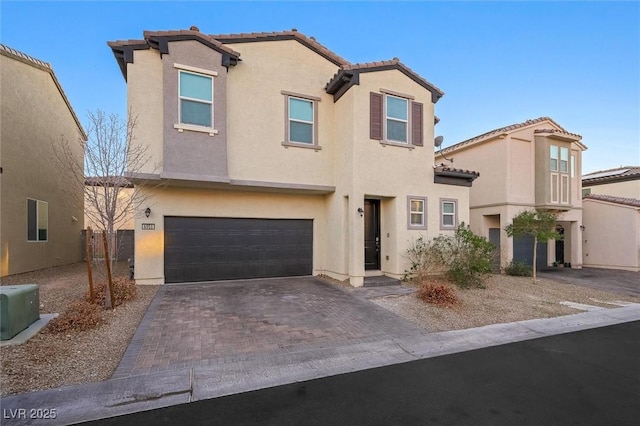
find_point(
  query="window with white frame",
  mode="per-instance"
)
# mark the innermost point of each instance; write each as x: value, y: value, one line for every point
x: 564, y: 160
x: 196, y: 98
x: 448, y: 214
x: 417, y: 212
x: 37, y: 220
x: 553, y: 155
x: 397, y: 119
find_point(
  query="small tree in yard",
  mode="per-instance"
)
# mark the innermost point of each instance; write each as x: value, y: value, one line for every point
x: 109, y: 155
x: 540, y: 224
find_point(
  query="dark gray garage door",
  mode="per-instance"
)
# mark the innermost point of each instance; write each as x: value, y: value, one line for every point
x: 210, y: 249
x: 523, y: 251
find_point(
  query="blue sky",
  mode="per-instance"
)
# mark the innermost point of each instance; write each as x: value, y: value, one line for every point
x: 498, y: 63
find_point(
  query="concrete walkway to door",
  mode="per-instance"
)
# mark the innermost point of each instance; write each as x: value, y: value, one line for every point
x: 208, y: 324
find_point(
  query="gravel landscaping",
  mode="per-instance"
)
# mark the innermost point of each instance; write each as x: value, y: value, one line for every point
x: 52, y: 360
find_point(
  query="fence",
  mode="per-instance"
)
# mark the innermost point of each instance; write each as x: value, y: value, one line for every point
x: 121, y: 250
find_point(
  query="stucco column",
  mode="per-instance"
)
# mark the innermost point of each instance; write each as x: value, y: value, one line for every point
x: 356, y: 240
x: 576, y: 245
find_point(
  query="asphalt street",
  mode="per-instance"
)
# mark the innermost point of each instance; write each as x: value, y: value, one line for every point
x: 589, y: 377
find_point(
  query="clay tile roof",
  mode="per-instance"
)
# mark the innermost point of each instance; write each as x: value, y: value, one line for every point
x: 192, y: 33
x: 612, y: 175
x: 310, y: 42
x: 44, y: 66
x: 442, y: 168
x: 505, y: 129
x: 561, y: 132
x: 616, y: 200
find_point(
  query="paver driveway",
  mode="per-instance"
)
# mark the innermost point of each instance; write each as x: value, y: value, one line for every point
x: 206, y: 324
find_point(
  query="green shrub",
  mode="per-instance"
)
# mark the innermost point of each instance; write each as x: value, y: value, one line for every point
x: 438, y: 294
x: 518, y: 269
x: 462, y: 257
x: 79, y: 316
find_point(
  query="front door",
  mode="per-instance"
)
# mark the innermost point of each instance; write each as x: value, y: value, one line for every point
x: 371, y: 234
x: 560, y: 246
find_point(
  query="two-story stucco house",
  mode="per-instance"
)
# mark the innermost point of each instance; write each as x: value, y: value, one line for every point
x: 531, y: 165
x: 279, y: 158
x: 41, y: 214
x: 611, y: 218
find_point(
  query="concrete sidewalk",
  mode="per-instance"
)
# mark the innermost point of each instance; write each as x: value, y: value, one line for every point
x: 145, y: 392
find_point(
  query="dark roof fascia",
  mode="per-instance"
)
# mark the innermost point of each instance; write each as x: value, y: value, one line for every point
x: 342, y: 82
x: 454, y: 177
x: 338, y: 80
x: 610, y: 179
x: 161, y: 42
x: 279, y: 37
x: 124, y: 54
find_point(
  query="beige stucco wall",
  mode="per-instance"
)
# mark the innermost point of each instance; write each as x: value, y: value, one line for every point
x: 144, y: 101
x: 256, y: 114
x: 628, y: 189
x: 33, y: 114
x: 611, y: 238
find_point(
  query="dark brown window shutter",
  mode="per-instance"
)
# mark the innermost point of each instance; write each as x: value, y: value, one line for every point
x: 416, y: 124
x: 375, y: 121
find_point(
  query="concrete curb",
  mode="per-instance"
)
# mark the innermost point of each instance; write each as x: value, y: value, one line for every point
x: 139, y: 393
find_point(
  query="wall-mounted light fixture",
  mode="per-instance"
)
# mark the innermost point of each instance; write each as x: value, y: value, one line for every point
x: 147, y: 212
x: 361, y: 211
x: 582, y: 227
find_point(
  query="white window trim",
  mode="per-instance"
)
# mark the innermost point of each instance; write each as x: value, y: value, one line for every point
x: 180, y: 126
x: 314, y: 130
x: 410, y: 225
x: 387, y: 118
x: 37, y: 240
x: 454, y: 201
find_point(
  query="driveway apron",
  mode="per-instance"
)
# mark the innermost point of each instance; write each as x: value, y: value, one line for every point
x: 206, y: 324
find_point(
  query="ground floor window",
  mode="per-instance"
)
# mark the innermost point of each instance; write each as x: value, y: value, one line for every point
x: 448, y: 213
x: 37, y: 220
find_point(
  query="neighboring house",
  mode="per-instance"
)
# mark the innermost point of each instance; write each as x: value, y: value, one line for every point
x: 41, y: 211
x: 618, y: 182
x: 524, y: 166
x: 280, y: 158
x: 94, y: 193
x: 611, y: 218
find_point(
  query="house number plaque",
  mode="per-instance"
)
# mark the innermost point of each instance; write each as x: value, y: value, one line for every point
x: 148, y: 226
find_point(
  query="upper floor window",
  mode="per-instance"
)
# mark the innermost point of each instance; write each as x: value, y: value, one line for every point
x: 417, y: 213
x: 37, y: 220
x: 301, y: 120
x: 196, y: 99
x: 448, y: 213
x: 553, y: 155
x: 564, y: 160
x: 397, y: 120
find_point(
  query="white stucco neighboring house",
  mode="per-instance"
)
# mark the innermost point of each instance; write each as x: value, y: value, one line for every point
x: 535, y: 164
x: 611, y: 218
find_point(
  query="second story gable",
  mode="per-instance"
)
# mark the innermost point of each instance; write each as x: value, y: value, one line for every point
x: 270, y: 108
x: 535, y: 163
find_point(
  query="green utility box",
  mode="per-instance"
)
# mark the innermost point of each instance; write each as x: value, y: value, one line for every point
x: 19, y: 308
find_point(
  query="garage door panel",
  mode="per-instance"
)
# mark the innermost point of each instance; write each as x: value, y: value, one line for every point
x: 210, y: 249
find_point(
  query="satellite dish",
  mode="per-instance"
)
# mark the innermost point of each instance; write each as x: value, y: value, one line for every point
x: 438, y: 141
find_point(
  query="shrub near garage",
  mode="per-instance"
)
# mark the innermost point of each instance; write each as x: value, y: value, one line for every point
x: 518, y: 269
x: 124, y: 290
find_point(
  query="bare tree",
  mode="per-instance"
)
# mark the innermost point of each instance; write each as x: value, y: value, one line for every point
x: 109, y: 156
